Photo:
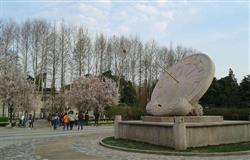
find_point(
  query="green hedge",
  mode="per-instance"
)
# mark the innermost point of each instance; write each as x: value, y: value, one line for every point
x: 229, y: 113
x: 3, y: 124
x: 135, y: 113
x: 127, y: 112
x: 4, y: 119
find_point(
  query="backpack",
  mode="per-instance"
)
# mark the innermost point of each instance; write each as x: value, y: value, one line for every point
x: 80, y: 116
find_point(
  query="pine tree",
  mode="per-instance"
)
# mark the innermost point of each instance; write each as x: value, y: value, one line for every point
x: 244, y: 91
x: 228, y: 91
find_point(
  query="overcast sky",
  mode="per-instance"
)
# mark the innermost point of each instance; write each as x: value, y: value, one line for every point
x: 217, y: 28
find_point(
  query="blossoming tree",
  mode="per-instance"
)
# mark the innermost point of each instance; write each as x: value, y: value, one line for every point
x: 16, y: 92
x: 89, y: 92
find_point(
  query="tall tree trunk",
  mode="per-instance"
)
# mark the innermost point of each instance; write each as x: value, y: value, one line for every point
x: 3, y: 114
x: 109, y: 59
x: 88, y: 62
x: 26, y: 60
x: 96, y: 65
x: 35, y: 65
x: 53, y: 82
x: 146, y: 85
x: 116, y: 67
x: 62, y: 61
x: 80, y: 64
x: 140, y: 70
x: 101, y: 63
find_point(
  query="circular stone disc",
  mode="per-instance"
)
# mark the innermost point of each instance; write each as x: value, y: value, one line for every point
x: 195, y: 74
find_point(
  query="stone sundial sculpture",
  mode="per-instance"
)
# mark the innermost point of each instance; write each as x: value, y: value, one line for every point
x: 178, y: 90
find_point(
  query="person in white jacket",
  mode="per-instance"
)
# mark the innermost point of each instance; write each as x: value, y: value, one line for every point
x: 71, y: 120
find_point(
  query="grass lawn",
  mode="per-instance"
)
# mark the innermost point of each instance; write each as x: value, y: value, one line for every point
x: 145, y: 146
x: 223, y: 148
x: 133, y: 144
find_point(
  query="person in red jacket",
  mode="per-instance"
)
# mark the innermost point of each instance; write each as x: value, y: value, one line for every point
x: 81, y: 118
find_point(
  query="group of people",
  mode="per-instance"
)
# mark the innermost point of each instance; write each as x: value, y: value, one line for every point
x: 69, y: 120
x: 26, y: 121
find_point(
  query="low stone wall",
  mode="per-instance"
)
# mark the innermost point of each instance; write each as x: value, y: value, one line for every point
x: 153, y: 133
x: 187, y: 119
x: 217, y: 133
x: 180, y: 135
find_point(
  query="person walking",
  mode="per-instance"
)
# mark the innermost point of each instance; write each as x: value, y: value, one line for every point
x: 65, y: 121
x: 55, y: 121
x: 61, y: 119
x: 22, y: 124
x: 31, y: 121
x: 25, y: 121
x: 76, y: 119
x: 71, y: 120
x: 81, y: 118
x: 96, y: 114
x: 49, y: 118
x: 86, y: 118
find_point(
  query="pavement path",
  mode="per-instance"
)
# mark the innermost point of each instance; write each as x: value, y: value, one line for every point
x: 46, y: 144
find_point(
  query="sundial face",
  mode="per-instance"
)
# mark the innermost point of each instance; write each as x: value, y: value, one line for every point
x: 170, y: 97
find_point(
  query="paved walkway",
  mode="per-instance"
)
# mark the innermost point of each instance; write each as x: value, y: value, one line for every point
x: 44, y: 143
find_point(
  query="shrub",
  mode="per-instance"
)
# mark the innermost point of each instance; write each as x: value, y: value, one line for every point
x: 229, y: 113
x: 127, y: 112
x: 4, y: 119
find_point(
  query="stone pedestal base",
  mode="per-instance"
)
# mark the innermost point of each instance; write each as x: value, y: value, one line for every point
x: 118, y: 118
x: 187, y: 119
x: 181, y: 135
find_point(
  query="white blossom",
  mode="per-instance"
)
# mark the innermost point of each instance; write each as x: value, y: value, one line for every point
x: 90, y: 92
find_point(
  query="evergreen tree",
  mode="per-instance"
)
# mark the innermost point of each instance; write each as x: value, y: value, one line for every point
x: 211, y: 96
x: 244, y: 91
x: 228, y: 91
x: 127, y: 91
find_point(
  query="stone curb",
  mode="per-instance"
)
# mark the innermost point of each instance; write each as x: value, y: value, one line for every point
x: 174, y: 153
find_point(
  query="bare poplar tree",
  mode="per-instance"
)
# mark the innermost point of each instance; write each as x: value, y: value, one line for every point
x: 109, y: 56
x: 64, y: 49
x: 153, y: 50
x: 81, y: 50
x: 100, y: 50
x: 122, y: 50
x: 35, y: 43
x: 140, y: 48
x: 45, y: 46
x: 53, y: 59
x: 133, y: 58
x: 1, y: 38
x: 25, y: 43
x: 8, y: 36
x: 115, y: 51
